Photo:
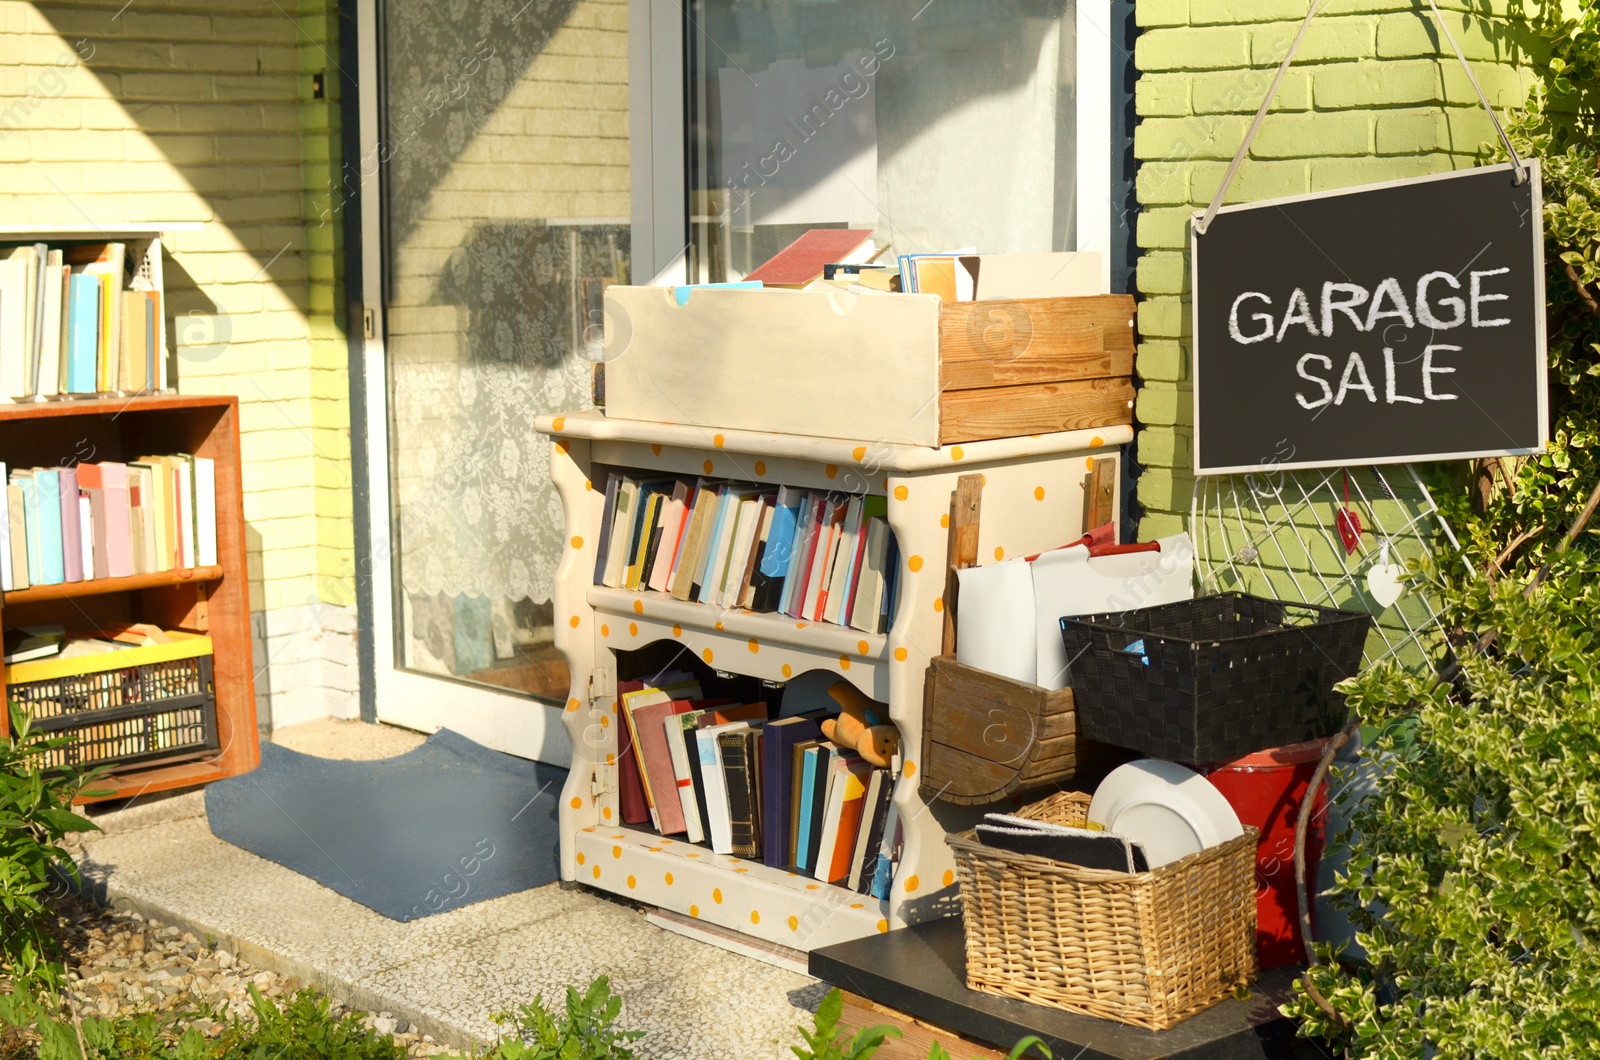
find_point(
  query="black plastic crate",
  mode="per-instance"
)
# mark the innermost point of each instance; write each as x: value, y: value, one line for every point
x: 1213, y: 678
x: 155, y: 711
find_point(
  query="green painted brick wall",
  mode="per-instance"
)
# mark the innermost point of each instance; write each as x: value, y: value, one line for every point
x: 1374, y: 94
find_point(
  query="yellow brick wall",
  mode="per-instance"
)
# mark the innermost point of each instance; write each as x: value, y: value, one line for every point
x: 164, y: 110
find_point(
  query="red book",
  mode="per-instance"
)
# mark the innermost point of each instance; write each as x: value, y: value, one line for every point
x: 801, y: 262
x: 634, y: 806
x: 655, y: 762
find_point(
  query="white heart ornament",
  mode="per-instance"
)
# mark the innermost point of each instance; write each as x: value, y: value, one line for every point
x: 1384, y: 579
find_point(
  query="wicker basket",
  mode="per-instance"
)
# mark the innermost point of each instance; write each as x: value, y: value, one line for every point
x: 1149, y: 948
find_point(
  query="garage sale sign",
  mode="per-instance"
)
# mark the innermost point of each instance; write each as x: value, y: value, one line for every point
x: 1380, y: 324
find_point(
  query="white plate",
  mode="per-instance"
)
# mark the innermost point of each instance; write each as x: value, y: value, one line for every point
x: 1172, y: 810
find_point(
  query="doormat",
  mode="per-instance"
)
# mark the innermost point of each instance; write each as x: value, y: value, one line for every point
x: 440, y: 827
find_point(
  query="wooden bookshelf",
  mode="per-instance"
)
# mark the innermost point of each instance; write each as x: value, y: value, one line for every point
x: 214, y: 600
x: 1033, y: 500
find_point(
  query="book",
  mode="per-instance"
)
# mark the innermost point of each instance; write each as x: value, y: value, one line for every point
x: 183, y: 507
x: 801, y: 262
x: 630, y: 784
x: 71, y: 526
x: 85, y: 537
x: 26, y: 643
x: 636, y: 700
x: 747, y: 520
x: 797, y: 776
x: 868, y: 604
x: 841, y: 817
x: 205, y: 511
x: 804, y: 528
x: 740, y: 750
x: 872, y: 507
x: 107, y: 261
x: 655, y: 758
x: 716, y: 549
x: 17, y: 536
x: 774, y: 566
x: 828, y: 531
x: 639, y: 543
x: 83, y: 334
x: 47, y: 506
x: 883, y: 872
x: 813, y: 796
x: 602, y: 544
x: 864, y: 859
x: 131, y: 370
x: 838, y: 582
x: 674, y: 515
x: 14, y: 324
x: 1038, y: 275
x: 683, y: 774
x: 747, y: 586
x: 718, y: 822
x: 778, y: 742
x: 99, y: 557
x: 48, y: 382
x: 621, y: 531
x: 692, y: 550
x: 6, y: 579
x: 1076, y: 846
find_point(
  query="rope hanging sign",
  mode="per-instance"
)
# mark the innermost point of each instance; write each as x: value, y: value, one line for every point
x: 1385, y: 323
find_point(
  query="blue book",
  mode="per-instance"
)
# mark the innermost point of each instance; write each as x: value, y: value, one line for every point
x: 30, y: 525
x: 680, y: 293
x: 83, y: 334
x: 883, y: 875
x: 727, y: 509
x: 780, y: 536
x: 808, y: 800
x: 47, y: 502
x: 778, y: 741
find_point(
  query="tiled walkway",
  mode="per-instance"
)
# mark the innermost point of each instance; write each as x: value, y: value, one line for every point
x: 448, y: 973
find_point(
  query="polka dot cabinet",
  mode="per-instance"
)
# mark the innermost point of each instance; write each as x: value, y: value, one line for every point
x: 1033, y: 495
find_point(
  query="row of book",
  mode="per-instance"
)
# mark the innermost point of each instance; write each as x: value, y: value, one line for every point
x: 727, y: 775
x: 807, y: 554
x: 107, y: 520
x: 73, y: 322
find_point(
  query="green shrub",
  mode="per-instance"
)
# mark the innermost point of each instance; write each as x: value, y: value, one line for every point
x: 586, y: 1030
x: 824, y: 1040
x: 35, y: 815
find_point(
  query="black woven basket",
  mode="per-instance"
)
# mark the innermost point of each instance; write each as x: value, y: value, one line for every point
x: 1217, y: 677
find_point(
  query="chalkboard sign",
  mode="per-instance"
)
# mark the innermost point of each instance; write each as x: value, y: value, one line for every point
x: 1385, y: 323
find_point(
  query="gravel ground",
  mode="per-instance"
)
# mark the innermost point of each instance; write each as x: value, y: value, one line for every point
x: 120, y: 964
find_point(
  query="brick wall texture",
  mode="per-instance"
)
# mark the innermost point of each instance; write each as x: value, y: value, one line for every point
x: 1374, y: 94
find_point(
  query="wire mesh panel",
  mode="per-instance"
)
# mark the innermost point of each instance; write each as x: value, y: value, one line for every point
x: 1279, y: 534
x: 156, y: 710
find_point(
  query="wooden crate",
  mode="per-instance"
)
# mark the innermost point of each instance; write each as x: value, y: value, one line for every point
x: 986, y: 737
x: 907, y: 369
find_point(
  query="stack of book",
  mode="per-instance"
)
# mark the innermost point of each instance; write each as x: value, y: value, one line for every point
x: 107, y: 520
x: 72, y: 322
x: 724, y: 774
x: 807, y: 554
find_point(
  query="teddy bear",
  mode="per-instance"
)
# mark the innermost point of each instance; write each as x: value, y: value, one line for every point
x: 862, y: 725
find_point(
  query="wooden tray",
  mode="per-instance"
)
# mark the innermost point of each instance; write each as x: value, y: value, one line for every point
x: 909, y: 369
x: 986, y: 737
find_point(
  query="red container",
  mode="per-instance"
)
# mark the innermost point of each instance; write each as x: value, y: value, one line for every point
x: 1266, y: 789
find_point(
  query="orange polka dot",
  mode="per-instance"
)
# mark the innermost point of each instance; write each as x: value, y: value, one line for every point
x: 562, y: 447
x: 677, y: 630
x: 801, y: 625
x: 788, y: 671
x: 844, y: 662
x: 794, y: 923
x: 911, y: 883
x: 1089, y: 463
x: 694, y: 911
x: 605, y: 721
x: 558, y: 423
x: 899, y: 655
x: 638, y: 607
x: 605, y: 630
x: 719, y: 627
x: 709, y: 466
x: 857, y: 905
x: 605, y: 811
x: 858, y: 452
x: 669, y: 879
x: 573, y: 621
x: 694, y: 855
x: 572, y: 704
x: 831, y: 470
x: 1038, y: 493
x: 883, y: 927
x: 761, y: 467
x: 861, y: 647
x: 588, y: 484
x: 611, y: 759
x: 655, y: 448
x: 1096, y: 442
x: 577, y: 803
x: 949, y: 877
x: 812, y: 886
x: 914, y: 563
x: 616, y: 851
x: 901, y: 493
x: 910, y: 769
x: 597, y: 872
x: 706, y: 655
x: 956, y: 452
x: 938, y: 605
x: 754, y: 645
x: 577, y: 542
x: 632, y: 883
x: 716, y: 895
x: 717, y: 440
x: 633, y: 629
x: 755, y: 917
x: 580, y: 857
x: 999, y: 553
x: 944, y: 521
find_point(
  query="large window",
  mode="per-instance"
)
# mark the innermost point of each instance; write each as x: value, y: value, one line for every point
x: 937, y: 123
